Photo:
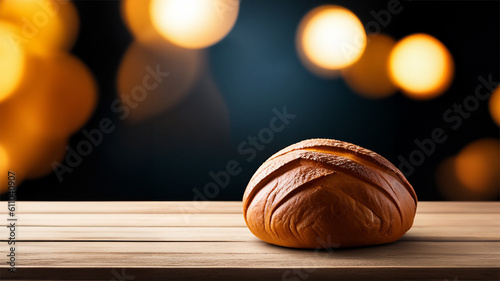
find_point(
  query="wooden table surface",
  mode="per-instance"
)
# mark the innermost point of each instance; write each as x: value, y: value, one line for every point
x: 209, y: 240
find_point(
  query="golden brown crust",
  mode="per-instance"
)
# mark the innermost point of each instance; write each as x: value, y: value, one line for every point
x: 325, y: 193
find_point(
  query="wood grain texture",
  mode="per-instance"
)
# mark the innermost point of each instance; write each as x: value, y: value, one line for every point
x: 125, y: 207
x: 219, y: 220
x: 184, y: 241
x: 254, y: 254
x: 195, y: 207
x: 209, y: 234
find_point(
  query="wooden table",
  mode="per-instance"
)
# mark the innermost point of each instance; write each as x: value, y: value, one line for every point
x: 195, y: 240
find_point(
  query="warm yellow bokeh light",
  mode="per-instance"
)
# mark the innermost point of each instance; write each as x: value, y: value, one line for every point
x: 4, y: 160
x: 12, y: 61
x: 16, y: 140
x: 194, y: 24
x: 42, y: 25
x: 452, y: 189
x: 494, y: 105
x: 421, y: 66
x: 37, y: 120
x: 135, y: 14
x: 331, y: 38
x: 144, y: 95
x: 478, y: 165
x: 369, y: 76
x: 58, y: 98
x: 29, y: 147
x: 66, y: 97
x: 4, y: 167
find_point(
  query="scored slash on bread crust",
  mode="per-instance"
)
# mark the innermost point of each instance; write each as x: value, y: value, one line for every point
x: 364, y: 186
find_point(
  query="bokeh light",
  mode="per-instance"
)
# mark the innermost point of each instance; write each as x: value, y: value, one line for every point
x: 202, y: 115
x: 452, y: 188
x: 194, y: 23
x: 58, y: 97
x: 42, y: 25
x: 66, y: 98
x: 478, y: 165
x: 330, y: 38
x: 146, y: 97
x: 4, y: 158
x: 369, y: 76
x: 12, y: 61
x: 494, y: 105
x: 421, y: 66
x: 135, y: 14
x: 4, y: 164
x: 17, y: 139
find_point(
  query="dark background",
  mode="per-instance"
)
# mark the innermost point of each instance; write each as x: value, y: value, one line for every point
x: 255, y: 69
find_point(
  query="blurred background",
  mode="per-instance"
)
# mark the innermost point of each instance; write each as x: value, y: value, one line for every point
x: 184, y: 99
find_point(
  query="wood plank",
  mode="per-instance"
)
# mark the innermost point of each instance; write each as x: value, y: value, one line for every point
x: 446, y: 207
x: 234, y: 234
x: 161, y: 234
x: 212, y: 207
x: 254, y: 254
x: 449, y: 240
x: 136, y: 220
x: 461, y: 220
x: 452, y: 233
x: 220, y: 220
x: 126, y: 207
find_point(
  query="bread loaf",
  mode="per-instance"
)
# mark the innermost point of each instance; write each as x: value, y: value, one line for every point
x: 323, y: 193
